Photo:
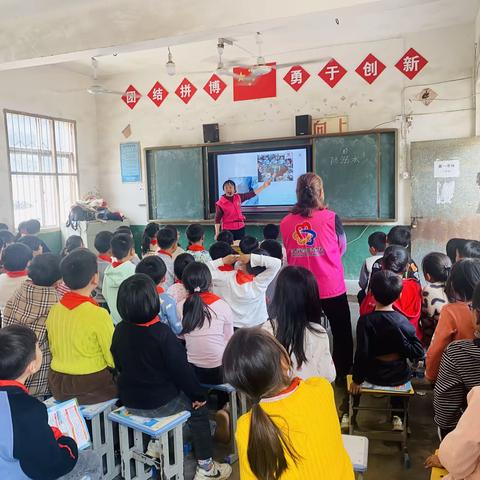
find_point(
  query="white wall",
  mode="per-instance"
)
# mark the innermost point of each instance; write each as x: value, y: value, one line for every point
x: 450, y: 55
x: 56, y: 92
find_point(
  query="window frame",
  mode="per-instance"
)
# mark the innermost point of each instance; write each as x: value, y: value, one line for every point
x: 53, y: 152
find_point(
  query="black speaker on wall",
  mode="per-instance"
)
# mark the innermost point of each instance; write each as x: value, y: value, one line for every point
x: 303, y: 125
x: 211, y: 133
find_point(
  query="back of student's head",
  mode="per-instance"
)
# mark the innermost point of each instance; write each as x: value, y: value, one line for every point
x: 174, y: 230
x: 378, y: 241
x: 15, y: 257
x: 138, y: 300
x: 17, y: 350
x: 103, y: 241
x: 437, y: 266
x: 225, y: 236
x: 166, y: 238
x: 248, y: 244
x: 399, y: 235
x: 78, y: 268
x: 180, y: 263
x: 73, y: 242
x: 149, y: 234
x: 470, y: 249
x: 31, y: 241
x: 197, y: 279
x: 271, y: 231
x: 194, y: 232
x: 257, y: 270
x: 7, y: 237
x: 396, y: 259
x: 125, y: 229
x: 220, y: 250
x: 254, y: 363
x: 296, y: 304
x: 386, y: 287
x: 453, y: 246
x: 44, y: 270
x: 273, y: 248
x: 463, y: 279
x: 32, y: 227
x: 154, y: 267
x: 122, y: 245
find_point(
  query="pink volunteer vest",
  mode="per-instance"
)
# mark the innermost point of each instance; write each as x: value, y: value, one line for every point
x: 233, y: 218
x: 312, y: 243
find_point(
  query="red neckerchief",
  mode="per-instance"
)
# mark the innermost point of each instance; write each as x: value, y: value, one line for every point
x: 165, y: 252
x: 72, y: 300
x: 105, y: 258
x: 19, y: 273
x: 179, y: 281
x: 160, y: 289
x: 13, y: 383
x: 153, y: 242
x: 116, y: 264
x: 196, y: 248
x: 209, y: 297
x: 295, y: 383
x: 243, y: 277
x: 148, y: 324
x: 226, y: 268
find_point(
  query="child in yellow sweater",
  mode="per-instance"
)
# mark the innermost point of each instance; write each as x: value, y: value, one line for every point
x: 292, y: 430
x: 80, y: 336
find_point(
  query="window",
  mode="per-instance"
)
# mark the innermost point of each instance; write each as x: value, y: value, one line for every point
x: 43, y: 167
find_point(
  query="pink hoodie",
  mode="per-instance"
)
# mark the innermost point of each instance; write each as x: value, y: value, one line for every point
x: 459, y: 452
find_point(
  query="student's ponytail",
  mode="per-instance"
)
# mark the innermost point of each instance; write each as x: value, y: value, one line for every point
x: 150, y: 232
x: 197, y: 280
x: 254, y: 363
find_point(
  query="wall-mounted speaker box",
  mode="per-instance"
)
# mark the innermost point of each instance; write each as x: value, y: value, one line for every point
x: 211, y: 133
x: 303, y: 125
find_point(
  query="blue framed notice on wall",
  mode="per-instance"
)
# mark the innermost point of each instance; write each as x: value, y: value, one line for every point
x: 130, y: 165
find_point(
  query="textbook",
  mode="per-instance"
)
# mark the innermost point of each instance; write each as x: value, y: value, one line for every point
x: 67, y: 418
x: 405, y: 388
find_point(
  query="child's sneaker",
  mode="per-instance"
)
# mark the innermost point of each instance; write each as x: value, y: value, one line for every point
x: 345, y: 424
x: 397, y: 424
x: 219, y: 471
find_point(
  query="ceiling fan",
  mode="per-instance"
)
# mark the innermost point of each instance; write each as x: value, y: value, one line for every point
x: 97, y: 88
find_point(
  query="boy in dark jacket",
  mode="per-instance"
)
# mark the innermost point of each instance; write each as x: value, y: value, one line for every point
x: 29, y: 447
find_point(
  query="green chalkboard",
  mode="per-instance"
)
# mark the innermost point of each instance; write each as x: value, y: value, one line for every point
x: 358, y: 171
x: 175, y: 183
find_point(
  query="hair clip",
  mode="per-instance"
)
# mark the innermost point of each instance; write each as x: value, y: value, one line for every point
x: 196, y: 289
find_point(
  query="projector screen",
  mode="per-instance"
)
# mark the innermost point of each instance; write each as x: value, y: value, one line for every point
x: 249, y: 170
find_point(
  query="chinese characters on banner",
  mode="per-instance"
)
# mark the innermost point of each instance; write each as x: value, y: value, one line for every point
x: 185, y: 91
x: 322, y: 126
x: 215, y: 86
x: 370, y: 69
x: 411, y: 64
x: 131, y: 97
x: 158, y: 94
x: 296, y: 77
x: 332, y: 73
x: 246, y: 87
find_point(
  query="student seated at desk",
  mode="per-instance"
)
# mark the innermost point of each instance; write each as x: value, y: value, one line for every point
x: 470, y: 249
x: 292, y: 430
x: 29, y: 447
x: 225, y: 236
x: 72, y: 243
x: 385, y: 341
x: 295, y: 321
x: 196, y: 236
x: 155, y: 379
x: 272, y: 232
x: 167, y: 244
x: 32, y: 227
x: 33, y: 242
x: 178, y: 291
x: 103, y: 245
x: 80, y: 335
x: 149, y: 239
x: 459, y: 451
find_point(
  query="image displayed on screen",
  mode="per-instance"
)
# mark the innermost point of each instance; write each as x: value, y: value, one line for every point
x: 249, y: 170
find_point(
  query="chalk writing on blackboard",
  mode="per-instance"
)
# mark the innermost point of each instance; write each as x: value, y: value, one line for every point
x: 346, y: 158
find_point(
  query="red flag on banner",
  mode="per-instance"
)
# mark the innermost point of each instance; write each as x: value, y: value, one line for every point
x: 264, y: 86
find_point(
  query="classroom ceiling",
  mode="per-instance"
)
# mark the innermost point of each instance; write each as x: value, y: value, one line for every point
x: 303, y: 37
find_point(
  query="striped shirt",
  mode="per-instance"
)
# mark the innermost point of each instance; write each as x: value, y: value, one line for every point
x: 459, y: 373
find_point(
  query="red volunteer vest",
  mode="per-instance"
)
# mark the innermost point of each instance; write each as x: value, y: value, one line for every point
x: 233, y: 218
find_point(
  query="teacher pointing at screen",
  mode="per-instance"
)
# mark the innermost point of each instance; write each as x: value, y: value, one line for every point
x: 228, y: 210
x: 314, y: 239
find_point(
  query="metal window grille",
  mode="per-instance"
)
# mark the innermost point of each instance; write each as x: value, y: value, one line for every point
x: 43, y: 167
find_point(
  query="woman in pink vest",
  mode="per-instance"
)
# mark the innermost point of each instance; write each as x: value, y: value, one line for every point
x: 314, y: 238
x: 228, y: 211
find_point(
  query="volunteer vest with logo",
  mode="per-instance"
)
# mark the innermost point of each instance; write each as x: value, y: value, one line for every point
x: 312, y: 243
x: 233, y: 218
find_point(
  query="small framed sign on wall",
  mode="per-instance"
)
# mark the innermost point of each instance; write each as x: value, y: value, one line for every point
x: 130, y: 165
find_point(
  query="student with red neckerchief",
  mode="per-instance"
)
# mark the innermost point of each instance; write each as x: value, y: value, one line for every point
x: 103, y: 246
x: 167, y: 245
x: 178, y: 291
x: 195, y: 236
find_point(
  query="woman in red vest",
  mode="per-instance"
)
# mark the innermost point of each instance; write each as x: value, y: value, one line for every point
x: 228, y: 212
